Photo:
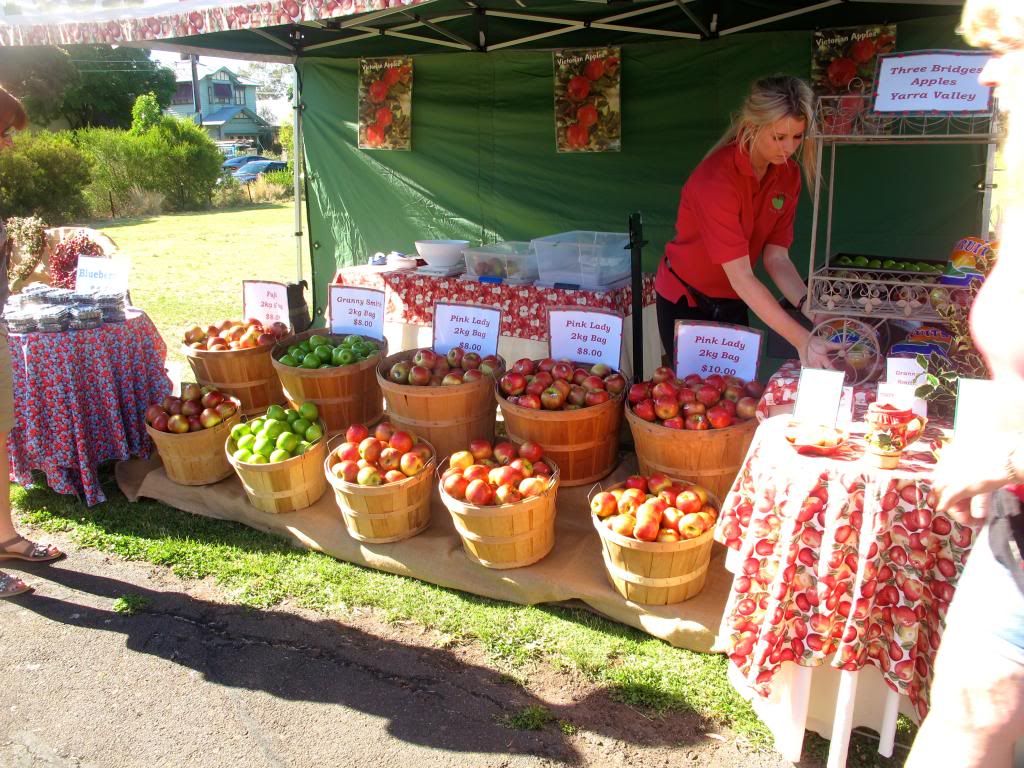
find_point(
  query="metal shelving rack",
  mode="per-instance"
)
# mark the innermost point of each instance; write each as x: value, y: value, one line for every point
x: 877, y: 294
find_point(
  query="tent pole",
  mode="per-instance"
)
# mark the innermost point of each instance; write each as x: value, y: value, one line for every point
x: 296, y: 169
x: 636, y: 247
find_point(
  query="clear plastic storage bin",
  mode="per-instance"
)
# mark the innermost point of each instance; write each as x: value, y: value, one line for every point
x: 586, y: 259
x: 511, y: 261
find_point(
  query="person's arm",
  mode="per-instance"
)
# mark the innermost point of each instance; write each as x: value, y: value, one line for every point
x: 968, y: 472
x: 784, y: 273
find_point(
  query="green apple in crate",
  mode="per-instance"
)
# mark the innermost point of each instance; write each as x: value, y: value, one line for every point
x: 280, y: 434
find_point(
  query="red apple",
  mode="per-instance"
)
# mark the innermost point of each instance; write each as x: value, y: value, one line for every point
x: 546, y: 365
x: 577, y: 395
x: 194, y: 424
x: 348, y: 451
x: 716, y: 380
x: 658, y: 482
x: 347, y: 470
x: 209, y: 418
x: 562, y: 370
x: 532, y: 486
x: 596, y: 397
x: 746, y: 408
x: 479, y: 493
x: 370, y: 449
x: 423, y: 450
x: 160, y: 422
x: 688, y: 501
x: 694, y: 409
x: 490, y: 365
x: 419, y: 376
x: 666, y: 407
x: 505, y: 452
x: 728, y: 405
x: 384, y: 431
x: 664, y: 389
x: 191, y: 391
x: 732, y: 392
x: 513, y: 383
x: 470, y: 361
x: 696, y: 421
x: 390, y: 458
x: 522, y: 466
x: 473, y: 374
x: 663, y: 373
x: 507, y: 494
x: 280, y: 330
x: 638, y: 392
x: 191, y: 408
x: 524, y: 365
x: 411, y: 463
x: 552, y: 399
x: 579, y: 375
x: 399, y: 373
x: 394, y: 476
x: 545, y: 378
x: 604, y: 504
x: 356, y: 433
x: 674, y: 423
x: 152, y: 412
x: 542, y: 469
x: 754, y: 389
x: 693, y: 380
x: 476, y: 472
x: 441, y: 367
x: 536, y: 388
x: 424, y: 358
x: 709, y: 395
x: 686, y: 395
x: 455, y: 486
x: 461, y: 460
x: 177, y: 423
x: 226, y: 409
x: 455, y: 355
x: 645, y: 410
x: 369, y: 476
x: 615, y: 383
x: 719, y: 417
x: 451, y: 379
x: 531, y: 451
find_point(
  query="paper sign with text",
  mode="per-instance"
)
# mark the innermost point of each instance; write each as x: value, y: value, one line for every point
x: 818, y: 394
x: 903, y: 370
x: 930, y: 82
x: 97, y: 275
x: 474, y: 328
x: 586, y: 336
x: 974, y: 400
x: 902, y: 396
x: 846, y: 407
x: 265, y: 301
x: 706, y: 348
x: 356, y: 310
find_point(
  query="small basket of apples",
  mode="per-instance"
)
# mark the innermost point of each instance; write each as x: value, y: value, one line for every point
x: 656, y: 534
x: 501, y: 497
x: 382, y: 480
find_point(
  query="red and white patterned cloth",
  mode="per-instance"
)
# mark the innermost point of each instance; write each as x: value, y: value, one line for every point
x: 781, y: 390
x: 410, y: 298
x: 838, y: 557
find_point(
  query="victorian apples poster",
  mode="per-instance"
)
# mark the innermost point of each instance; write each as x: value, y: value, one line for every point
x: 844, y: 59
x: 587, y: 112
x: 385, y: 103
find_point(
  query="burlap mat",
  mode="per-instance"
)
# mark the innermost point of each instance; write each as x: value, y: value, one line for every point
x: 572, y: 572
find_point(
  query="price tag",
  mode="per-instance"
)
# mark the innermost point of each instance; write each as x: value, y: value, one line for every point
x: 706, y: 348
x: 902, y: 396
x: 356, y: 310
x: 586, y: 336
x: 903, y: 370
x: 472, y: 327
x: 97, y: 275
x: 974, y: 399
x: 267, y: 302
x: 818, y: 394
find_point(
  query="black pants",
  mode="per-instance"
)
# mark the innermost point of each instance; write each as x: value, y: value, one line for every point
x: 732, y: 311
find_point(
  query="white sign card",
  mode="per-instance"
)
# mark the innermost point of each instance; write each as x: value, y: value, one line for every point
x: 265, y: 301
x: 472, y: 327
x: 903, y: 370
x: 930, y: 82
x: 356, y: 310
x: 96, y: 275
x: 974, y: 399
x: 705, y: 348
x: 846, y: 406
x: 902, y: 396
x: 586, y: 336
x: 818, y: 394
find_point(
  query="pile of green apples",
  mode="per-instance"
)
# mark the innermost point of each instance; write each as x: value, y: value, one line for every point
x: 321, y: 352
x: 280, y: 434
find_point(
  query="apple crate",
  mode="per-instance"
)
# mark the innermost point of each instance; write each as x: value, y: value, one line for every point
x: 195, y: 458
x: 506, y: 536
x: 709, y: 457
x: 446, y: 417
x: 382, y: 514
x: 344, y: 395
x: 286, y: 485
x: 247, y: 374
x: 584, y: 443
x: 654, y: 572
x: 510, y: 261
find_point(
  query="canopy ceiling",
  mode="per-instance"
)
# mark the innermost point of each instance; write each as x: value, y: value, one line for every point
x: 284, y: 29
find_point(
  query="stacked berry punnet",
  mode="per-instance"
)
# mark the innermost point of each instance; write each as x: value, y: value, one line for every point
x: 385, y: 455
x: 556, y: 385
x: 320, y: 352
x: 197, y: 408
x: 694, y: 402
x: 496, y: 473
x: 655, y: 508
x: 231, y: 334
x: 280, y: 434
x: 428, y: 368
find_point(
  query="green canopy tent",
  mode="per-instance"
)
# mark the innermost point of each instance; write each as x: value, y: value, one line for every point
x: 483, y: 164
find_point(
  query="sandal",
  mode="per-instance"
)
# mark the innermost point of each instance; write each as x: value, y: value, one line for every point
x: 37, y: 553
x: 12, y: 585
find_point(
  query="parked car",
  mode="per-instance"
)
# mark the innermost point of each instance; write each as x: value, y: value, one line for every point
x: 234, y: 163
x: 250, y: 171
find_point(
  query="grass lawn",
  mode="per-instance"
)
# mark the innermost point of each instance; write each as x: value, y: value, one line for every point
x: 189, y: 268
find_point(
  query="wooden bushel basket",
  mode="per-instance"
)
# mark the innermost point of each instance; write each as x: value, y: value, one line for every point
x: 247, y: 374
x: 286, y: 486
x: 344, y: 395
x: 584, y: 443
x: 384, y: 513
x: 507, y: 535
x: 195, y: 458
x: 446, y: 417
x: 709, y: 457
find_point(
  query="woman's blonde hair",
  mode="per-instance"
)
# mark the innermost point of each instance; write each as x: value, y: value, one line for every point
x: 995, y: 24
x: 772, y: 99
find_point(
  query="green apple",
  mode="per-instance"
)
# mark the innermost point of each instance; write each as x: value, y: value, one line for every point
x: 288, y: 441
x: 314, y: 433
x: 299, y: 426
x: 276, y: 457
x: 290, y: 415
x: 245, y: 442
x: 258, y: 458
x: 273, y: 428
x: 242, y: 455
x: 276, y: 412
x: 238, y: 430
x: 263, y: 446
x: 309, y: 412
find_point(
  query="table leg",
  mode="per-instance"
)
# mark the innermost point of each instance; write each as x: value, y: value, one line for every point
x: 843, y: 722
x: 887, y: 731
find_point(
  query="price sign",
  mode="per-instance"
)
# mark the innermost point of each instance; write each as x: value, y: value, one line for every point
x: 356, y: 310
x: 469, y: 326
x: 706, y: 348
x: 267, y: 302
x: 902, y: 370
x: 818, y: 394
x: 932, y: 81
x: 586, y: 336
x: 96, y: 275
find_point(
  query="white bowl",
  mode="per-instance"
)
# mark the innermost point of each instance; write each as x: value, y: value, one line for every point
x: 441, y: 253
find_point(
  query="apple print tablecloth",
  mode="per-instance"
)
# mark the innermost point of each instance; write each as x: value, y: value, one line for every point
x: 838, y: 557
x: 80, y: 399
x: 410, y: 298
x: 781, y: 390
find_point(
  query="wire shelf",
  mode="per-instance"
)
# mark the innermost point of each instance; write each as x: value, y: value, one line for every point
x: 849, y: 119
x: 874, y: 294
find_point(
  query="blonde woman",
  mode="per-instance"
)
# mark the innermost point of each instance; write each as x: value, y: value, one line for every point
x: 738, y: 206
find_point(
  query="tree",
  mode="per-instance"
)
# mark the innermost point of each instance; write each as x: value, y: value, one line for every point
x: 145, y: 113
x: 273, y: 81
x: 39, y: 77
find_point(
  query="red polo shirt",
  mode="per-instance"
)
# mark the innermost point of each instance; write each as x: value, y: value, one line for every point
x: 725, y: 213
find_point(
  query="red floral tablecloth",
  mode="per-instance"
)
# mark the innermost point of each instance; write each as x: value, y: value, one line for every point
x: 838, y: 557
x: 410, y: 298
x: 781, y: 390
x: 80, y: 399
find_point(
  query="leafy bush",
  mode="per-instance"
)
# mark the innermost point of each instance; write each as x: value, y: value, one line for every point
x: 121, y: 161
x: 229, y: 193
x: 44, y: 174
x: 281, y: 178
x: 186, y: 162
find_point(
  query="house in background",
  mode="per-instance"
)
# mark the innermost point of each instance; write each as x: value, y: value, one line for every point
x: 227, y: 104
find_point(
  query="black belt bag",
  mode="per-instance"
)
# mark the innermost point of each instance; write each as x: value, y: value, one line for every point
x: 711, y: 307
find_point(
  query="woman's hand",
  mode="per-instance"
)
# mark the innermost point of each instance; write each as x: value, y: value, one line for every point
x: 815, y: 353
x: 969, y: 471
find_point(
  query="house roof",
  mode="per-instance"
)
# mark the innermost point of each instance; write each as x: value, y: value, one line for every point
x: 224, y: 114
x: 183, y: 72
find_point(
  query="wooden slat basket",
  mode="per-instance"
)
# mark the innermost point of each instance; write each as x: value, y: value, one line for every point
x: 344, y: 395
x: 285, y: 486
x: 446, y: 417
x: 195, y: 458
x: 247, y: 374
x: 711, y: 457
x: 584, y: 443
x: 385, y: 513
x: 506, y: 535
